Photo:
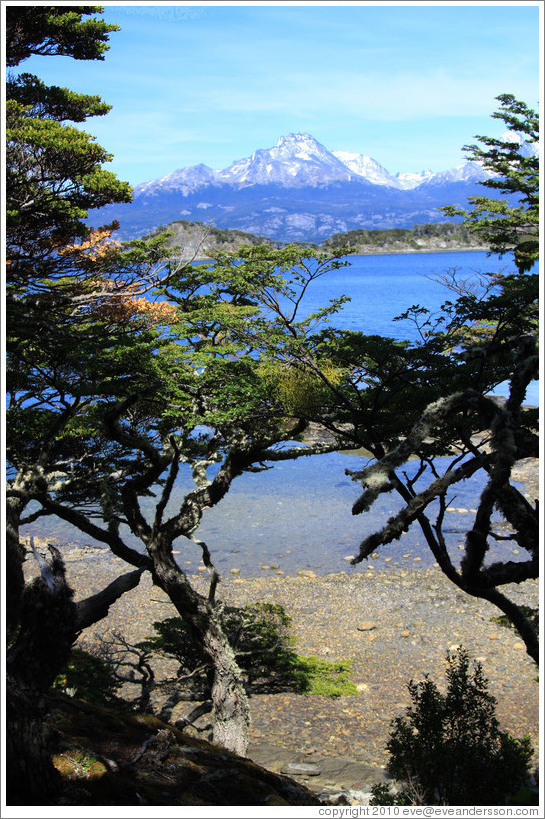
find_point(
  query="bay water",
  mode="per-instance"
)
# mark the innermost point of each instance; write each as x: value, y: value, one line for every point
x: 297, y: 515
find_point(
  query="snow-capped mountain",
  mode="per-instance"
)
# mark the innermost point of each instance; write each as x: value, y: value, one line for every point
x: 467, y: 172
x: 296, y: 159
x: 184, y: 180
x: 407, y: 180
x: 375, y: 173
x: 368, y: 168
x: 298, y: 190
x: 300, y: 160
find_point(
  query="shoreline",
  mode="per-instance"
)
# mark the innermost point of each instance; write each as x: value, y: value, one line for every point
x: 392, y: 625
x: 283, y: 562
x: 404, y: 251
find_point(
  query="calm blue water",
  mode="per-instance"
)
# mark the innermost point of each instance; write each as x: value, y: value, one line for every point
x: 383, y: 287
x: 298, y: 514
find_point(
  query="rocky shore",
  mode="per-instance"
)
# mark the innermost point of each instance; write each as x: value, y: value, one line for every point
x: 393, y: 625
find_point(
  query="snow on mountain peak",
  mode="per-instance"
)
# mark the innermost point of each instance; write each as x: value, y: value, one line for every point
x: 411, y: 179
x: 183, y: 179
x: 296, y: 159
x: 299, y: 141
x: 367, y: 167
x: 466, y: 172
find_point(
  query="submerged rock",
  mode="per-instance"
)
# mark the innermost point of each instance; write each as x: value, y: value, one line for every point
x: 301, y: 769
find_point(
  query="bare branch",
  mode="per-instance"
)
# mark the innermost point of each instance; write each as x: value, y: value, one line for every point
x: 96, y: 607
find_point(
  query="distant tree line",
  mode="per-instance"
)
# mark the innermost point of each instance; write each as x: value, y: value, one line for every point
x: 418, y: 237
x: 451, y: 232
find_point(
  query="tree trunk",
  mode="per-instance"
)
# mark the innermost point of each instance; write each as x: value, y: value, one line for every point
x: 45, y: 637
x: 38, y: 615
x: 230, y: 708
x: 31, y: 778
x: 49, y: 622
x: 14, y: 564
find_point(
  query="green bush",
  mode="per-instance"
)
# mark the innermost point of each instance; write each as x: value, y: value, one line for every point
x: 88, y: 678
x: 259, y: 634
x: 448, y: 749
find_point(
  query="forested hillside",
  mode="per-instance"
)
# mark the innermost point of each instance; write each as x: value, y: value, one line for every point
x: 421, y: 238
x: 202, y: 241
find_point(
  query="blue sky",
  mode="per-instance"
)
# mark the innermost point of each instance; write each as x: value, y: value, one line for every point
x: 406, y: 84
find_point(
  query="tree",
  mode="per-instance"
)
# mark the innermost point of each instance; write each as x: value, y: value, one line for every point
x: 205, y: 402
x: 55, y: 31
x: 428, y: 400
x: 492, y: 328
x: 448, y: 749
x: 510, y: 224
x: 106, y: 335
x: 103, y: 406
x: 258, y: 633
x: 53, y: 174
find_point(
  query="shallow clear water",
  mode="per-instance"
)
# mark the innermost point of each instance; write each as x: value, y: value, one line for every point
x: 297, y: 515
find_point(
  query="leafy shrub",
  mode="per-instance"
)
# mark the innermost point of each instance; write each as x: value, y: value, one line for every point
x: 297, y: 389
x: 382, y: 795
x: 88, y: 678
x: 448, y: 748
x: 259, y: 634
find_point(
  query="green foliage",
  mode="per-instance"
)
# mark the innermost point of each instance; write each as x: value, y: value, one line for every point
x: 55, y: 31
x: 54, y: 175
x: 65, y: 354
x: 85, y: 765
x: 54, y: 172
x: 324, y: 678
x: 382, y: 795
x: 512, y: 222
x: 71, y: 344
x: 525, y: 796
x: 448, y: 749
x: 259, y: 634
x: 211, y: 234
x: 230, y: 309
x: 87, y: 677
x: 298, y: 390
x: 430, y: 397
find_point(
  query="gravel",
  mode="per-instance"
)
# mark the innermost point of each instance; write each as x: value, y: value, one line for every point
x: 394, y: 625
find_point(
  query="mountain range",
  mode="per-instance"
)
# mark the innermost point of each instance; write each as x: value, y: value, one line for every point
x: 298, y: 190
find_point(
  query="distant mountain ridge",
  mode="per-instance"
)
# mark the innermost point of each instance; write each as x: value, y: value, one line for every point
x: 300, y: 160
x: 371, y: 170
x: 298, y: 190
